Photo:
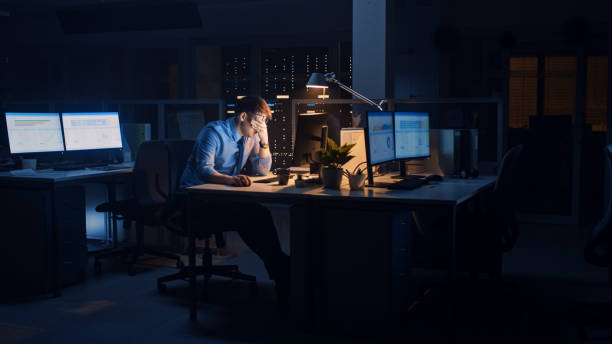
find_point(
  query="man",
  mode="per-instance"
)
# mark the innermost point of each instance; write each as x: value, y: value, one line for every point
x: 221, y: 151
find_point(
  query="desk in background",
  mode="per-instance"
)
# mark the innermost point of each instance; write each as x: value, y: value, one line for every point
x: 43, y: 242
x: 350, y: 249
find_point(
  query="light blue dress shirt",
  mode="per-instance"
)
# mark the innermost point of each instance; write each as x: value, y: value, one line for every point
x: 220, y: 148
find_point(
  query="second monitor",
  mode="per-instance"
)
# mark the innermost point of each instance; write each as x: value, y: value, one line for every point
x: 91, y: 130
x: 411, y: 131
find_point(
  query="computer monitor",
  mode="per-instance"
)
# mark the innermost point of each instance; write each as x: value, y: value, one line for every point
x: 91, y: 130
x: 411, y: 131
x: 34, y: 132
x: 310, y: 137
x: 379, y: 139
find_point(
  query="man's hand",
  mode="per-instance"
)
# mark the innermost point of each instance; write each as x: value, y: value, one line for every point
x: 261, y: 128
x: 240, y: 180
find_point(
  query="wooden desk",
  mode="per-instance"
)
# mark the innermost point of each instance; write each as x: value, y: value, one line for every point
x: 29, y: 212
x: 319, y: 215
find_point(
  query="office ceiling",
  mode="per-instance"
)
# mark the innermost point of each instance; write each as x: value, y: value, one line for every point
x: 46, y: 21
x: 32, y: 5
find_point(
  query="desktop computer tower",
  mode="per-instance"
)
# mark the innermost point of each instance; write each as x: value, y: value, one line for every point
x: 454, y: 152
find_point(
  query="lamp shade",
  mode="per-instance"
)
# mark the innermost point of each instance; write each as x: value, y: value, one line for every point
x: 317, y: 80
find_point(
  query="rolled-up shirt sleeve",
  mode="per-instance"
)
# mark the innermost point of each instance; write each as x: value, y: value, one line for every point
x: 205, y: 154
x: 260, y: 166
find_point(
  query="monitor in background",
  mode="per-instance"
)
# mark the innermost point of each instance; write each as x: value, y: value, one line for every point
x: 34, y: 132
x: 380, y: 142
x: 354, y: 136
x: 91, y: 130
x: 411, y: 132
x: 310, y: 137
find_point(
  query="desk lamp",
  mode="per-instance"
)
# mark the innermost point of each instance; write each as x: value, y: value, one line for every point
x: 320, y: 80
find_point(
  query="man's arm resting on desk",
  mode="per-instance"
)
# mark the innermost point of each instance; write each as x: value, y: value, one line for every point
x: 219, y: 178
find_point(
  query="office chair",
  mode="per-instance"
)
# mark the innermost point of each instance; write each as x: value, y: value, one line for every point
x: 150, y: 184
x: 506, y: 196
x: 175, y: 220
x: 598, y: 250
x: 497, y: 230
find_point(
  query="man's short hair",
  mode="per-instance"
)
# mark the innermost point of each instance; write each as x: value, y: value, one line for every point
x: 253, y: 104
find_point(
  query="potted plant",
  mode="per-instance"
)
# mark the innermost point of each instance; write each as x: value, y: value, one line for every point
x: 333, y: 157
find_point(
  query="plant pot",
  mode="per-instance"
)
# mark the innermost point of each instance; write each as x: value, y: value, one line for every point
x: 356, y: 181
x: 332, y: 177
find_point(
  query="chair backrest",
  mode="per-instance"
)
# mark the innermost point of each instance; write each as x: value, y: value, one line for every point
x: 506, y: 194
x: 179, y: 151
x: 598, y: 248
x: 174, y: 217
x: 507, y: 178
x: 151, y: 173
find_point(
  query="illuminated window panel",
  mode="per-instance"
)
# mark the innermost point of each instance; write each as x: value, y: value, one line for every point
x: 523, y: 91
x: 597, y: 92
x: 560, y: 85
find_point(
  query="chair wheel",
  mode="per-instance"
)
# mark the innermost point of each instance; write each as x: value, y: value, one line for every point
x: 97, y: 267
x: 162, y: 288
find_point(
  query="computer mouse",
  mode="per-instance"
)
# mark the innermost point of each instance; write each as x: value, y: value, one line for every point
x: 434, y: 178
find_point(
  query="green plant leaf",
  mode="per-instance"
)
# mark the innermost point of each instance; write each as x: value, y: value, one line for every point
x: 336, y: 156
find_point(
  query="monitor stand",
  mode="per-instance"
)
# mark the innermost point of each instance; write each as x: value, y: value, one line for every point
x: 404, y: 173
x: 371, y: 183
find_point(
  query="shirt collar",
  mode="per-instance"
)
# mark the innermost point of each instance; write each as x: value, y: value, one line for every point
x: 231, y: 122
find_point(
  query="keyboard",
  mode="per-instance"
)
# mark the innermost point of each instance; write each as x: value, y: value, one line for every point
x: 78, y: 166
x: 111, y: 168
x: 404, y: 184
x: 267, y: 180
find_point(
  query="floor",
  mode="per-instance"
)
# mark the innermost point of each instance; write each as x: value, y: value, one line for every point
x: 114, y: 307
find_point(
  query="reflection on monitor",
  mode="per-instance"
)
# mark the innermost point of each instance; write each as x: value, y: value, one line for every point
x: 34, y: 132
x: 411, y: 135
x: 91, y: 130
x: 309, y: 138
x: 381, y: 145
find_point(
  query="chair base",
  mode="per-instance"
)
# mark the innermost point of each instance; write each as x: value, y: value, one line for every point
x: 230, y: 271
x: 134, y: 252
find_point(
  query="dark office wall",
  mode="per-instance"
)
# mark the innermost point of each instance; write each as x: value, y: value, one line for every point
x: 453, y: 48
x: 48, y: 63
x: 485, y: 38
x: 233, y: 19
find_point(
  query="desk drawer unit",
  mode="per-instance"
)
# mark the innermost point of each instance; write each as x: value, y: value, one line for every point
x: 367, y: 266
x: 27, y: 251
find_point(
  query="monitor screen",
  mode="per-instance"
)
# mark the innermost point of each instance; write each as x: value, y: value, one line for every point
x: 381, y: 146
x: 309, y: 138
x: 91, y: 130
x: 34, y: 132
x: 411, y: 135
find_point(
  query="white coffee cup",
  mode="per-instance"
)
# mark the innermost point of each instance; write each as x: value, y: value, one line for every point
x: 28, y: 164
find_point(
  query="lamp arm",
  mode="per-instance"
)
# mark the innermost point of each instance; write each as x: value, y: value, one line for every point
x: 332, y: 78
